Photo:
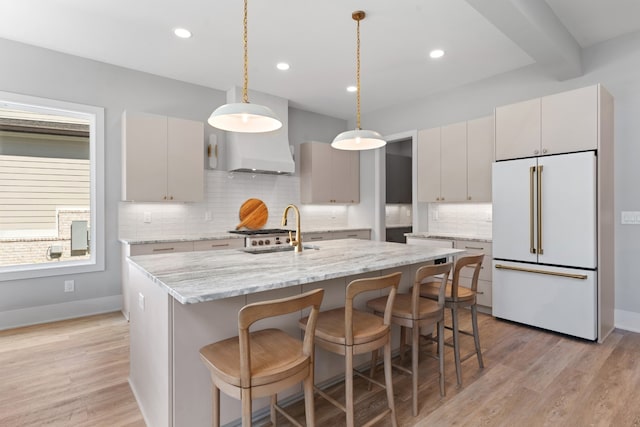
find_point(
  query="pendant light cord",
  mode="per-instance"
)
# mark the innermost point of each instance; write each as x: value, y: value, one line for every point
x: 358, y: 75
x: 245, y: 94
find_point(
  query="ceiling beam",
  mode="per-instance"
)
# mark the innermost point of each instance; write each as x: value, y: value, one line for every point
x: 535, y: 28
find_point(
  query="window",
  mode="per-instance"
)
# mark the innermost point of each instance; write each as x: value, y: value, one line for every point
x: 51, y: 187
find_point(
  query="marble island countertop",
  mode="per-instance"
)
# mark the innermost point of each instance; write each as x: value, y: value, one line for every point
x: 192, y: 277
x: 444, y: 236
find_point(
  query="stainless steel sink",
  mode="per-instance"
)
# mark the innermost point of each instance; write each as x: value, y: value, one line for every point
x: 272, y: 249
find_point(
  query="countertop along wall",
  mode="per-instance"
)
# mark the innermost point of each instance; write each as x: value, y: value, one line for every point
x: 48, y: 74
x: 615, y: 65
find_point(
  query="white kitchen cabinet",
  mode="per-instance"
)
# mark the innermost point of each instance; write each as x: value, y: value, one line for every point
x: 217, y: 244
x: 518, y: 130
x: 570, y: 121
x: 163, y: 158
x: 479, y: 158
x: 328, y: 175
x: 561, y: 123
x: 160, y: 248
x: 454, y: 162
x: 310, y: 237
x: 484, y: 292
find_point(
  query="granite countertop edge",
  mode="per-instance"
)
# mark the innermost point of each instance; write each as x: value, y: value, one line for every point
x: 428, y: 235
x: 223, y: 235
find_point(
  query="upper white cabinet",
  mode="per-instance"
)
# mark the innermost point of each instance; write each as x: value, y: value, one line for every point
x: 479, y: 158
x: 562, y: 123
x: 328, y: 175
x: 163, y: 158
x: 454, y: 162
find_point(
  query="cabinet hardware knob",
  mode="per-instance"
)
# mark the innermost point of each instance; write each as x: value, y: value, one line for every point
x: 535, y: 151
x: 171, y: 198
x: 544, y: 150
x: 164, y: 198
x: 468, y: 197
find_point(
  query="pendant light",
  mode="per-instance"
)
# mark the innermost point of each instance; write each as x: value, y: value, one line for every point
x: 243, y: 116
x: 358, y: 139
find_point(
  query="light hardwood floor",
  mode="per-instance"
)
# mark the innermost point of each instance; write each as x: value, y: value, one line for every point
x: 74, y: 373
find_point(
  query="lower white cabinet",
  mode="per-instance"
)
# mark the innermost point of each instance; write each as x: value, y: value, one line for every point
x: 336, y: 235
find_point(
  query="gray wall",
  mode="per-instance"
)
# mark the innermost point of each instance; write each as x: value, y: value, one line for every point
x: 616, y: 65
x: 44, y: 73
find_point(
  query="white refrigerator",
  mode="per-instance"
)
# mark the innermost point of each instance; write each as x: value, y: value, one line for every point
x: 545, y: 242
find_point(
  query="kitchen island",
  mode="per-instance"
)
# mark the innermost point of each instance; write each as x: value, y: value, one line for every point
x: 183, y: 301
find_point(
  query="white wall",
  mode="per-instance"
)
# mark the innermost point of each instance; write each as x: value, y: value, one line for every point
x: 43, y: 73
x: 615, y: 64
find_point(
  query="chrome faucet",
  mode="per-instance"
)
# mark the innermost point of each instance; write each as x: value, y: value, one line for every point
x: 297, y: 241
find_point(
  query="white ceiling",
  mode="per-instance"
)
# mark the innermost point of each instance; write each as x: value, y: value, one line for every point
x: 318, y: 39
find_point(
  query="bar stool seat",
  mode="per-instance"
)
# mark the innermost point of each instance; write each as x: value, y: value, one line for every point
x: 264, y: 362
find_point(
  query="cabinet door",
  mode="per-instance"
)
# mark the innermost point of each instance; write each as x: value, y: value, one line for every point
x: 345, y: 176
x: 185, y: 164
x: 570, y: 121
x: 453, y: 162
x: 217, y: 244
x: 315, y: 172
x: 518, y: 130
x: 429, y: 165
x: 144, y: 155
x: 479, y: 159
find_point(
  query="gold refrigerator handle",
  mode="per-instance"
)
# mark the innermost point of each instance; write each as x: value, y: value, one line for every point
x: 550, y: 273
x: 532, y: 247
x: 540, y: 250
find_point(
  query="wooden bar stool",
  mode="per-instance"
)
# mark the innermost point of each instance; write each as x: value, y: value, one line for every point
x: 411, y: 311
x: 349, y: 332
x: 457, y: 297
x: 262, y: 363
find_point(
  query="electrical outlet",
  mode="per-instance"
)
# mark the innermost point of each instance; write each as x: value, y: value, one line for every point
x: 207, y: 216
x: 630, y: 217
x: 69, y: 286
x: 147, y: 217
x: 141, y: 301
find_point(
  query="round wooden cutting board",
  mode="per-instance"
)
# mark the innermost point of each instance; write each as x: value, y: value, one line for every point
x: 253, y: 214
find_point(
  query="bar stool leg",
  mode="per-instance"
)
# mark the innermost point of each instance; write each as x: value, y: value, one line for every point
x: 274, y: 415
x: 309, y: 408
x: 246, y: 407
x: 441, y: 355
x: 415, y: 343
x: 456, y: 344
x: 389, y: 382
x: 215, y: 419
x: 476, y: 335
x: 348, y: 387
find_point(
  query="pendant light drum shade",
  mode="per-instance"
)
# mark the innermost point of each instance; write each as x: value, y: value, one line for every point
x: 358, y: 140
x: 245, y: 117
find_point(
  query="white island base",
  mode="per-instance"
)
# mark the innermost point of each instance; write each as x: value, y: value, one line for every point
x: 169, y: 380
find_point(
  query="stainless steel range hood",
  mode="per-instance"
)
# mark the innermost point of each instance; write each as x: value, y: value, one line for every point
x: 261, y: 152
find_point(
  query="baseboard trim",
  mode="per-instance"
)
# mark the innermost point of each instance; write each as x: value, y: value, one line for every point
x: 53, y: 312
x: 627, y: 320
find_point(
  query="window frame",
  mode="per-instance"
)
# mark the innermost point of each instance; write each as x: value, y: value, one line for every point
x: 95, y: 115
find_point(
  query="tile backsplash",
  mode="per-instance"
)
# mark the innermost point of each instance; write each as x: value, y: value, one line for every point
x: 224, y: 194
x: 465, y: 219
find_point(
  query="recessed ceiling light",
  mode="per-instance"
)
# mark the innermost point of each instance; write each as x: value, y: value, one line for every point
x: 283, y: 66
x: 183, y: 33
x: 352, y: 88
x: 436, y: 53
